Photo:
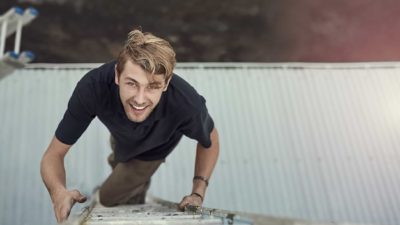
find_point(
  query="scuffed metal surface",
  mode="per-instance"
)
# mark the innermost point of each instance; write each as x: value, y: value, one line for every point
x: 144, y: 214
x: 154, y: 211
x: 157, y: 211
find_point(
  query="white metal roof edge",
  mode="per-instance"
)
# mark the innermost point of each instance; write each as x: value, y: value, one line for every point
x: 236, y: 65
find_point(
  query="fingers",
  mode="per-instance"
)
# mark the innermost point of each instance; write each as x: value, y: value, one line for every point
x: 190, y: 200
x: 77, y: 196
x: 64, y: 202
x: 62, y: 212
x: 183, y: 203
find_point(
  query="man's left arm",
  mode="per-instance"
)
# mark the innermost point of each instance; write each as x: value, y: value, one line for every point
x: 206, y: 158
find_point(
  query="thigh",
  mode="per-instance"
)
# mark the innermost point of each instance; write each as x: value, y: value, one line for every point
x: 126, y: 177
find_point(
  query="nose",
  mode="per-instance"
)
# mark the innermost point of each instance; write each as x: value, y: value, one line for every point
x: 140, y: 98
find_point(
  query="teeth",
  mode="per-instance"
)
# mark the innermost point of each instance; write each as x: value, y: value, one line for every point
x: 138, y: 108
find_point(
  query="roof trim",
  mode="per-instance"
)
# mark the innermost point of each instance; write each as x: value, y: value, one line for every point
x: 234, y: 65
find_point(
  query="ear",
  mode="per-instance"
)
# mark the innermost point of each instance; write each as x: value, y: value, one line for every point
x: 116, y: 78
x: 167, y: 83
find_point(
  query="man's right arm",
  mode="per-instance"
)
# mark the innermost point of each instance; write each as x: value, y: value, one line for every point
x: 53, y: 174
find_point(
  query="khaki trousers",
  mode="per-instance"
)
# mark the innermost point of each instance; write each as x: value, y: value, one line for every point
x: 128, y: 181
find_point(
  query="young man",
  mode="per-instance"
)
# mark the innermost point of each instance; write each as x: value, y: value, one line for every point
x: 147, y: 110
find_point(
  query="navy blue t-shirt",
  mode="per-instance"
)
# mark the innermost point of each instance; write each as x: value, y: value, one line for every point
x: 181, y: 111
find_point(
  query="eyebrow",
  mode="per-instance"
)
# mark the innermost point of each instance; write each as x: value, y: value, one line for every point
x: 155, y: 83
x: 151, y: 83
x: 131, y: 79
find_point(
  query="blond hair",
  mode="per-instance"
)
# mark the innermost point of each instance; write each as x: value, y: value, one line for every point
x: 153, y: 54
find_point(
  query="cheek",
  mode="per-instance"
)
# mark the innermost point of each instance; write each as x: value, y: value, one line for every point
x: 126, y: 93
x: 155, y: 98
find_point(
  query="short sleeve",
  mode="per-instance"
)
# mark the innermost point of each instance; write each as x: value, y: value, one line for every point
x: 199, y: 127
x: 79, y: 114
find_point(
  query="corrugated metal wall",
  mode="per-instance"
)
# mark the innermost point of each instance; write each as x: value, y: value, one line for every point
x: 313, y: 141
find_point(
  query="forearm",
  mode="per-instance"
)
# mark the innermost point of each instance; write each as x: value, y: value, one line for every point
x: 206, y: 158
x: 53, y: 173
x: 52, y: 166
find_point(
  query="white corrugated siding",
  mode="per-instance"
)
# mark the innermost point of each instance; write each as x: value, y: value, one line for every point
x: 313, y: 141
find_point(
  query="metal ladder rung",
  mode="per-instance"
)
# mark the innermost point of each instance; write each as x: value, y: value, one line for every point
x: 26, y: 17
x: 12, y: 22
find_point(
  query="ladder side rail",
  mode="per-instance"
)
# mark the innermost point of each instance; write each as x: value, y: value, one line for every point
x: 17, y: 42
x: 11, y: 15
x: 3, y: 37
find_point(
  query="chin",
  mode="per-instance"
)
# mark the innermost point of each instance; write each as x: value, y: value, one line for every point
x: 136, y: 120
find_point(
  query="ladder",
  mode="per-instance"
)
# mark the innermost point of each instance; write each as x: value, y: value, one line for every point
x: 154, y: 211
x: 12, y: 22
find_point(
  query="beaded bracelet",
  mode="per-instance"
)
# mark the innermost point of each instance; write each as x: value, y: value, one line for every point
x: 199, y: 195
x: 201, y: 178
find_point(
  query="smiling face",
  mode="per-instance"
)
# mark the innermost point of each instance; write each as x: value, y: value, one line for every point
x: 139, y: 91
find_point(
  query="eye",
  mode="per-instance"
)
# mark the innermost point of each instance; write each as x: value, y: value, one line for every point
x: 131, y: 84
